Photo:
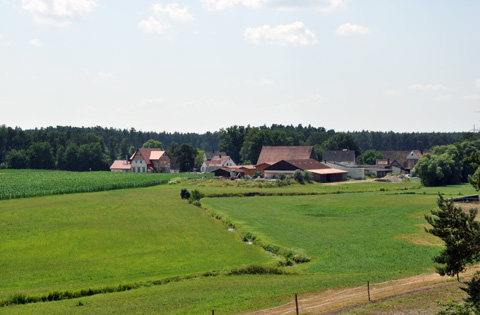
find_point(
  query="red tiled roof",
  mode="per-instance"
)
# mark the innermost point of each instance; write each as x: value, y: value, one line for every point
x: 156, y: 155
x: 147, y: 154
x: 218, y: 160
x: 272, y: 155
x: 121, y: 165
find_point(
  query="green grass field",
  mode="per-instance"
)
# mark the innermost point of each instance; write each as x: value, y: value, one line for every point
x: 125, y: 236
x: 34, y: 183
x: 352, y: 232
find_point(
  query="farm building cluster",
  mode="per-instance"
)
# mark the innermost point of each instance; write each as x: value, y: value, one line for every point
x: 275, y: 160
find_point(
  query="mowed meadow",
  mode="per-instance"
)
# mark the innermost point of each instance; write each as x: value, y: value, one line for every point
x: 176, y: 258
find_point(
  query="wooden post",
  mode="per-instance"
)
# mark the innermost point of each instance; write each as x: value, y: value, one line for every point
x: 368, y: 286
x: 296, y: 302
x: 213, y: 312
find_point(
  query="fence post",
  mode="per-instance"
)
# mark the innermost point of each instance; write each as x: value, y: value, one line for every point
x: 368, y: 288
x: 296, y: 302
x: 213, y: 312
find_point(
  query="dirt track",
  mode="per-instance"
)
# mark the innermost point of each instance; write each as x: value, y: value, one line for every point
x: 335, y: 301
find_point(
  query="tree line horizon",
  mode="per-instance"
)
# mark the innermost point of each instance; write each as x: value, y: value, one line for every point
x: 95, y: 148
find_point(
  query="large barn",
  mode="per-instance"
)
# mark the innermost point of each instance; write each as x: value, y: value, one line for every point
x: 271, y: 155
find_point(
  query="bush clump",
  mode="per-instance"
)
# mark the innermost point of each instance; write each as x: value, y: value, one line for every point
x: 184, y: 193
x: 195, y: 197
x: 299, y: 176
x: 257, y: 270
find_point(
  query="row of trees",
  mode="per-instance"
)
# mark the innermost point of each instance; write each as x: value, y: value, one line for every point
x: 243, y: 144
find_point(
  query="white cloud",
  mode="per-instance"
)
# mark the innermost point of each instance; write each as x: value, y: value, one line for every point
x: 473, y: 97
x: 264, y: 81
x: 477, y: 83
x: 316, y: 5
x: 390, y: 92
x: 348, y: 29
x: 219, y: 5
x: 36, y: 42
x: 58, y: 12
x: 152, y: 25
x: 428, y: 87
x: 159, y: 24
x: 173, y: 11
x: 295, y: 34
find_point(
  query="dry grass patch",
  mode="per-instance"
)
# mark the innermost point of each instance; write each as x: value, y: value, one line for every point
x: 420, y: 237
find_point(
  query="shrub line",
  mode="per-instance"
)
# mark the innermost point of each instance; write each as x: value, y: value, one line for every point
x: 291, y: 257
x: 294, y: 193
x: 58, y: 295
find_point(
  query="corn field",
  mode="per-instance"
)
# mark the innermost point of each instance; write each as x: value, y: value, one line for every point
x: 34, y: 183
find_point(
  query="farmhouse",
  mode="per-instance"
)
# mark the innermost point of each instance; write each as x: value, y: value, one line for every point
x: 321, y: 172
x: 400, y: 161
x: 144, y: 161
x: 216, y: 162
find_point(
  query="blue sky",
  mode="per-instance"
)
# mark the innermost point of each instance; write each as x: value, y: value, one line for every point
x: 206, y: 64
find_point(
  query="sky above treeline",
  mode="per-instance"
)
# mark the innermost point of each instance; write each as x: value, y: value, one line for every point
x: 202, y: 65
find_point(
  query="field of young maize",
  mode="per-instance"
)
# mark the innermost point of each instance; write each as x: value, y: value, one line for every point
x: 33, y: 183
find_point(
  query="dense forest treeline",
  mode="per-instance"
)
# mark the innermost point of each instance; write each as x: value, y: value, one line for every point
x: 94, y: 148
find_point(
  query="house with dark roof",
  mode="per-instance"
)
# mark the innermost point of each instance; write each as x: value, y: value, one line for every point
x: 273, y: 154
x: 321, y: 172
x: 152, y: 160
x: 400, y: 161
x: 209, y: 154
x: 342, y: 157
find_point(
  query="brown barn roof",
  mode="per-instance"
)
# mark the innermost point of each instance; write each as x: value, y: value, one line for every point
x: 272, y: 154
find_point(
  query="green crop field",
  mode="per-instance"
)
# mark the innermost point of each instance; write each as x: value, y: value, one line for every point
x: 352, y: 232
x: 34, y: 183
x: 108, y: 238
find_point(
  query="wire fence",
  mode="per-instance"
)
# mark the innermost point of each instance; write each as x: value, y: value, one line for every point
x: 330, y: 301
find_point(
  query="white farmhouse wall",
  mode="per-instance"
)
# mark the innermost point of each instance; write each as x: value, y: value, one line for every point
x: 229, y: 162
x: 412, y: 156
x: 139, y: 166
x: 353, y: 172
x: 203, y: 168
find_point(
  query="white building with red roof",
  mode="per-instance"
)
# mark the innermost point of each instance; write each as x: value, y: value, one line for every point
x: 144, y: 161
x: 216, y: 162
